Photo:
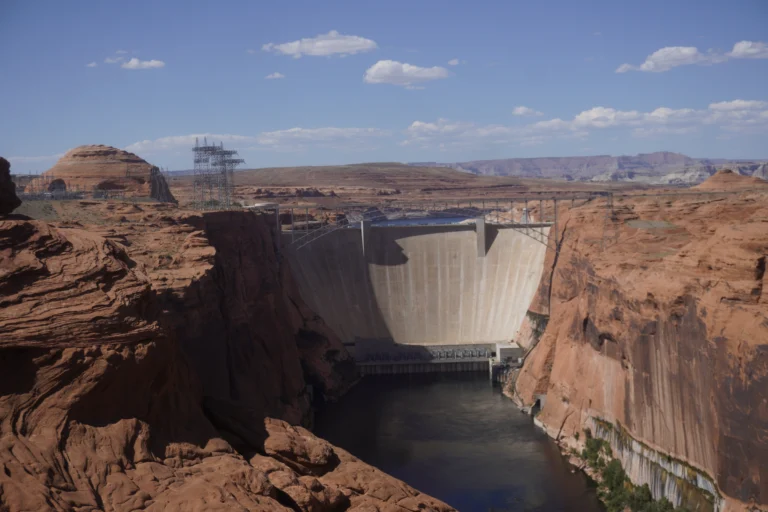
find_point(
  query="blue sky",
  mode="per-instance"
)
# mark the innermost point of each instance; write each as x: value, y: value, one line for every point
x: 416, y: 80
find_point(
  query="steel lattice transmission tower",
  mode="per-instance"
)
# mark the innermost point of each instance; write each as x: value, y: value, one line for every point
x: 214, y: 175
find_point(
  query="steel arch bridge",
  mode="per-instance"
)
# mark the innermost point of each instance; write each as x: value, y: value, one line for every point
x: 411, y: 216
x: 529, y: 216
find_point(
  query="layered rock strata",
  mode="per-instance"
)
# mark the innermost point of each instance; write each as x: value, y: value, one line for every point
x: 140, y: 365
x: 104, y: 171
x: 657, y: 325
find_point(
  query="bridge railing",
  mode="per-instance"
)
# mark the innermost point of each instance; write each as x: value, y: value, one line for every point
x: 497, y: 216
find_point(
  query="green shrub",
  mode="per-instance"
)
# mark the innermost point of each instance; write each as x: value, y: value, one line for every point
x: 616, y: 490
x: 641, y: 499
x: 592, y: 450
x: 617, y: 501
x: 620, y: 493
x: 614, y: 475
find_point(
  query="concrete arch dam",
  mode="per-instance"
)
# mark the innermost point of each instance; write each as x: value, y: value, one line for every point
x: 445, y: 286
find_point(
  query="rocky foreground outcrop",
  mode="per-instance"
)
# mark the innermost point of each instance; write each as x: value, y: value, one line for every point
x: 656, y: 339
x: 140, y: 365
x: 104, y: 171
x: 8, y: 199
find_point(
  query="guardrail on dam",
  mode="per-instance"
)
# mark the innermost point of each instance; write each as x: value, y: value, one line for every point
x: 463, y: 285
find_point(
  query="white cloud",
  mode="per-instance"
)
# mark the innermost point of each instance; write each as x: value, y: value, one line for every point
x: 624, y: 68
x: 663, y: 130
x: 453, y: 62
x: 555, y: 124
x: 526, y: 111
x: 292, y: 139
x: 299, y: 138
x: 674, y: 56
x: 113, y: 60
x: 666, y: 59
x: 745, y: 116
x: 597, y: 34
x: 749, y: 50
x: 135, y: 63
x: 274, y: 76
x: 735, y: 105
x: 665, y: 115
x: 441, y: 126
x: 602, y: 117
x: 251, y: 51
x: 121, y: 52
x: 454, y: 133
x: 188, y: 141
x: 91, y: 65
x: 323, y: 45
x: 398, y: 73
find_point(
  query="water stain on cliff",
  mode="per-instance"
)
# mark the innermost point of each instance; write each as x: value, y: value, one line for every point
x: 740, y: 395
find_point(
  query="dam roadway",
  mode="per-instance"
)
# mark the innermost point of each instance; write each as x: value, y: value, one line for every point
x: 429, y: 286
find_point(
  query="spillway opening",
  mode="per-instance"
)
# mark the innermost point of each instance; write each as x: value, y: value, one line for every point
x: 536, y: 408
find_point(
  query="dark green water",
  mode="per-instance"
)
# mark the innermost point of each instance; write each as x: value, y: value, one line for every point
x: 457, y: 438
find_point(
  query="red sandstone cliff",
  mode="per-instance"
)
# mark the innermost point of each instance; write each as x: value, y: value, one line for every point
x: 138, y: 365
x: 658, y: 324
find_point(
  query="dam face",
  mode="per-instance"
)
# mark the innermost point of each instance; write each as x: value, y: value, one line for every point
x: 421, y: 285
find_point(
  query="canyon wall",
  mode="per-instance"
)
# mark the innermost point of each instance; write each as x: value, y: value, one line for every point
x: 656, y: 328
x: 140, y: 363
x: 224, y: 282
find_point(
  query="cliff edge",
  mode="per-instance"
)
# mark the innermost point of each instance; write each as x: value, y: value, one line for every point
x: 654, y: 335
x: 145, y: 366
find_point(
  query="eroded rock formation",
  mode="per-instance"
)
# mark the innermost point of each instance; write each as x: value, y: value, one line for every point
x: 139, y: 364
x: 728, y: 180
x: 8, y: 199
x: 104, y: 171
x: 658, y: 328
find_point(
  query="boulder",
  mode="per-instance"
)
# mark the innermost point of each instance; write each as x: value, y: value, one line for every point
x: 8, y: 199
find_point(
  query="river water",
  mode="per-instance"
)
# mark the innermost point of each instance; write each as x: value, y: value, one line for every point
x: 457, y: 438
